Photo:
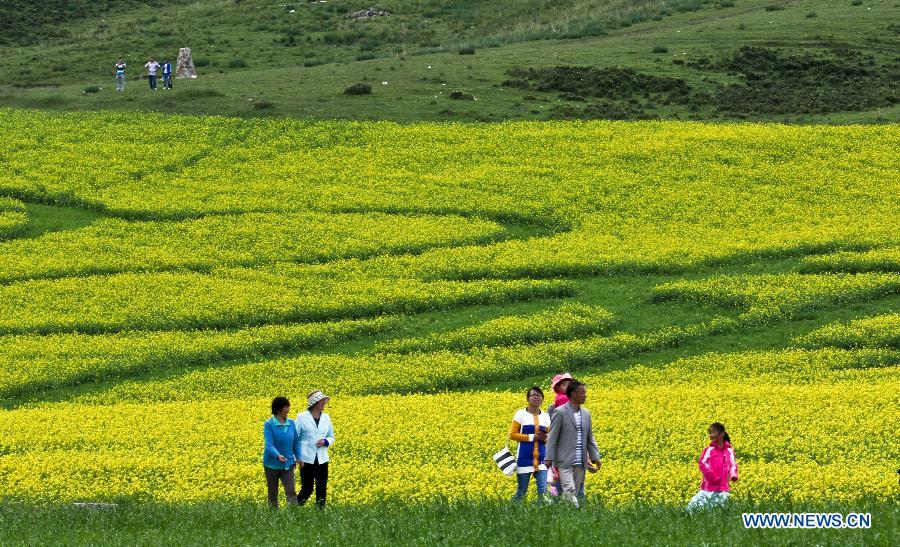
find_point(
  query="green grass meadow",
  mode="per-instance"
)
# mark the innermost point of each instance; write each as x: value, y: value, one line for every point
x: 411, y: 82
x: 494, y: 523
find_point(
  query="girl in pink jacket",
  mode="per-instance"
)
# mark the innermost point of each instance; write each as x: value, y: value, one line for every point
x: 719, y: 468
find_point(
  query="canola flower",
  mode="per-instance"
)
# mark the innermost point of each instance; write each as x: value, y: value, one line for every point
x: 114, y: 245
x: 433, y: 369
x: 31, y: 363
x: 231, y: 298
x: 608, y: 243
x: 886, y: 259
x: 830, y: 437
x: 879, y: 331
x: 786, y: 367
x: 415, y: 372
x: 768, y: 296
x: 706, y: 193
x: 569, y: 320
x: 13, y: 217
x: 204, y: 262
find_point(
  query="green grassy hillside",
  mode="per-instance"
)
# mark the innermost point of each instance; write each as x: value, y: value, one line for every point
x: 809, y: 61
x: 80, y: 37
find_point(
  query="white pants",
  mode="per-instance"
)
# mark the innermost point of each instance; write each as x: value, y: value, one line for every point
x: 572, y: 481
x: 705, y: 499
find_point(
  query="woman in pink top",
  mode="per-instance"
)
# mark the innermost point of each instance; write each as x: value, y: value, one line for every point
x: 719, y: 468
x: 559, y: 384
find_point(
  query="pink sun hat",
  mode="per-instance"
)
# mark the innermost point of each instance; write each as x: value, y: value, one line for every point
x: 559, y: 378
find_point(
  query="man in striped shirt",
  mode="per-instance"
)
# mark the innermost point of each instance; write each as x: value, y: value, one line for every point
x: 571, y: 444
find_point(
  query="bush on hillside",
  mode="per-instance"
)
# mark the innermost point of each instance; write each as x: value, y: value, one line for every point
x: 358, y: 89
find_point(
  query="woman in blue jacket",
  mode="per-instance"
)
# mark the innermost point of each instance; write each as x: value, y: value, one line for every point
x: 282, y: 451
x: 316, y: 435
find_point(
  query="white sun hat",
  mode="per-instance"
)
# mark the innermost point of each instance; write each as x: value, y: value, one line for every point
x: 315, y: 397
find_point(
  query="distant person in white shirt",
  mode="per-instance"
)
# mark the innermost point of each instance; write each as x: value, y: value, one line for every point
x: 120, y: 74
x: 152, y: 66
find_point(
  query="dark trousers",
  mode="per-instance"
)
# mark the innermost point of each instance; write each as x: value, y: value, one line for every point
x: 313, y: 473
x: 167, y: 81
x: 152, y: 79
x: 286, y: 476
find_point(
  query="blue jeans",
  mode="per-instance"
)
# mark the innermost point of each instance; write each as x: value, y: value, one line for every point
x: 152, y: 79
x: 540, y: 478
x: 167, y: 81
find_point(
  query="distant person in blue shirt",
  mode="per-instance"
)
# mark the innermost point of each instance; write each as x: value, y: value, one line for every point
x: 120, y: 74
x: 167, y: 74
x: 281, y: 452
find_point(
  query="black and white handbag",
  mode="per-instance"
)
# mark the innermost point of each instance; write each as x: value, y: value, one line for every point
x: 506, y: 462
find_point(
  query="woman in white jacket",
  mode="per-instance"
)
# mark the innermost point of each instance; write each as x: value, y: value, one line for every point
x: 316, y: 435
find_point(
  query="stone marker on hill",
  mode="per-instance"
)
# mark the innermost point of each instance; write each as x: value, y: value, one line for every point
x: 184, y: 67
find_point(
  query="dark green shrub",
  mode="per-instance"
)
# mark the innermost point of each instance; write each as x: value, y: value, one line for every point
x: 237, y: 62
x: 461, y: 96
x: 660, y: 49
x: 358, y: 89
x: 92, y: 89
x: 468, y: 50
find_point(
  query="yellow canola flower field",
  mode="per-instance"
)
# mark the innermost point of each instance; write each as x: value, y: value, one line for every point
x: 886, y: 259
x: 619, y: 243
x: 569, y: 320
x: 189, y: 300
x: 30, y: 363
x: 114, y: 245
x: 830, y: 437
x: 769, y: 296
x: 621, y: 196
x: 415, y: 372
x: 225, y: 262
x: 13, y: 217
x: 876, y: 331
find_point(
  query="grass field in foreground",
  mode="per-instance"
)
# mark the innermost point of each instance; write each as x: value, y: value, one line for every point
x: 440, y: 523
